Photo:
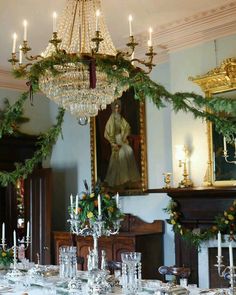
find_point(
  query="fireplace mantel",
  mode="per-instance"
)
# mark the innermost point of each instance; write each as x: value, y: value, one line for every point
x: 199, y: 206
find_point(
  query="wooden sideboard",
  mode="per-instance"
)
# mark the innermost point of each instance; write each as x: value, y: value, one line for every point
x: 135, y: 235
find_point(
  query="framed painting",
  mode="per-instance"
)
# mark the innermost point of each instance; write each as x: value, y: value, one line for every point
x: 220, y: 82
x: 118, y: 146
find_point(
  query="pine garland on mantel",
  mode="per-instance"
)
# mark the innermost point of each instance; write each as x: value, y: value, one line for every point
x: 224, y: 222
x: 121, y: 71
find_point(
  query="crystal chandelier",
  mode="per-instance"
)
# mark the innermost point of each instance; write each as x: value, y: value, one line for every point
x: 79, y: 87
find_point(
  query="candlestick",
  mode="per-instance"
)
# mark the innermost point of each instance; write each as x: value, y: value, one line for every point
x: 150, y: 36
x: 3, y: 233
x: 99, y: 206
x: 25, y: 30
x: 97, y: 19
x: 224, y: 140
x: 20, y: 55
x: 54, y: 23
x: 76, y: 204
x: 219, y: 244
x: 231, y: 259
x: 14, y: 43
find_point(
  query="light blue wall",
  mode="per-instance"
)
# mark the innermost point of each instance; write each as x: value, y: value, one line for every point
x: 70, y: 159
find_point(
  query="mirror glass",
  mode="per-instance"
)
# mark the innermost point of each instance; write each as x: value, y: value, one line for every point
x: 223, y: 172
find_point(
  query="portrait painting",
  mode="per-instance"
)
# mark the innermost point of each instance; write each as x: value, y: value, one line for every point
x: 118, y: 146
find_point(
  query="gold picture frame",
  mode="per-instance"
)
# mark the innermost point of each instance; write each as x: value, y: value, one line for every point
x: 219, y: 81
x: 102, y: 151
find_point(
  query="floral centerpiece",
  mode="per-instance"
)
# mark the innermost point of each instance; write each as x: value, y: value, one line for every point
x: 6, y: 257
x: 87, y: 207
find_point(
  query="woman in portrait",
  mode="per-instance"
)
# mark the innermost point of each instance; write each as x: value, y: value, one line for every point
x: 122, y: 169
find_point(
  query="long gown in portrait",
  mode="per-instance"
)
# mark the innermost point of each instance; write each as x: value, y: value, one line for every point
x: 122, y: 168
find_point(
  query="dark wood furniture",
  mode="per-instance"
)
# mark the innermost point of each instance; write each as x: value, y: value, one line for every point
x: 135, y: 235
x: 199, y: 207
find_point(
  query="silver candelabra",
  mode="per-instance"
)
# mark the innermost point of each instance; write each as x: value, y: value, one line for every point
x: 14, y: 273
x: 224, y: 270
x: 96, y: 228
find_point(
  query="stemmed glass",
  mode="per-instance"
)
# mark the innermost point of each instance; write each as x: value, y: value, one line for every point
x: 131, y: 272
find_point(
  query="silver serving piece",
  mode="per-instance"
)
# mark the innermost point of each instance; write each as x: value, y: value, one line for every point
x: 226, y: 271
x: 15, y: 273
x: 97, y: 283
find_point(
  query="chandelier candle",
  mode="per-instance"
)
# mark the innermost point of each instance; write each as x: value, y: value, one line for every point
x: 97, y: 19
x: 130, y: 25
x: 150, y: 37
x: 14, y: 43
x: 54, y: 23
x: 25, y: 30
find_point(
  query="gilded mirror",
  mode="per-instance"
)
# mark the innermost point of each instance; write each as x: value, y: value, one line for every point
x: 220, y: 81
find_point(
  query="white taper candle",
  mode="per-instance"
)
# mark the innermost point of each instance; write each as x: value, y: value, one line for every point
x: 97, y: 19
x: 14, y: 239
x: 54, y: 23
x: 99, y: 206
x: 130, y: 25
x: 231, y: 258
x: 219, y: 244
x: 28, y: 230
x: 150, y: 36
x: 14, y: 43
x: 3, y: 232
x: 76, y: 204
x: 25, y: 24
x: 71, y: 203
x: 117, y: 200
x: 224, y: 141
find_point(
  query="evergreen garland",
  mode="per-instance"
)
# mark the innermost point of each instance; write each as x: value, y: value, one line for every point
x: 11, y: 115
x: 225, y: 223
x: 121, y: 71
x: 44, y: 144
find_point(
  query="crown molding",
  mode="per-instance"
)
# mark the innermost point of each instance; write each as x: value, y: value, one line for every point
x: 7, y: 81
x: 191, y: 31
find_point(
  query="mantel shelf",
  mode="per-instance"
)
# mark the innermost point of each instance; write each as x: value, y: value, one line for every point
x: 184, y: 192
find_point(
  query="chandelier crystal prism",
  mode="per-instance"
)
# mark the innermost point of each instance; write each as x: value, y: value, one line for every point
x: 78, y: 85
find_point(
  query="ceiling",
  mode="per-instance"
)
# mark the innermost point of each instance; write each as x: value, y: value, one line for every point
x: 162, y: 15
